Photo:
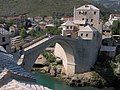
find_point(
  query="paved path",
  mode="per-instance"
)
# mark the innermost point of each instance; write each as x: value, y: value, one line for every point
x: 36, y: 44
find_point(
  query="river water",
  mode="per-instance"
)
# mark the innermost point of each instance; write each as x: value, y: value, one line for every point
x: 55, y: 84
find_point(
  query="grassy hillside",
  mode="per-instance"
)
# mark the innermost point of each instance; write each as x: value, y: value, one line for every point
x: 110, y: 4
x: 41, y: 7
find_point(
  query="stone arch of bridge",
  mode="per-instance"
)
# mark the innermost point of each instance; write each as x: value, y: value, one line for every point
x: 31, y: 55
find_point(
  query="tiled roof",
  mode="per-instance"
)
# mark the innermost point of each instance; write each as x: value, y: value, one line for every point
x: 87, y: 7
x: 68, y: 23
x: 115, y: 15
x: 88, y: 28
x: 2, y: 49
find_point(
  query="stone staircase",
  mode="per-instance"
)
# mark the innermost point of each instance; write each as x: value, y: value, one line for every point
x: 7, y: 61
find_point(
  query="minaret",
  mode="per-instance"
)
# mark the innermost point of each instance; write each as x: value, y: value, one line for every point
x: 74, y: 12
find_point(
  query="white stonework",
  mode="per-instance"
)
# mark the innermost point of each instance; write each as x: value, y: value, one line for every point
x: 87, y: 32
x: 113, y: 17
x: 84, y: 15
x: 88, y: 14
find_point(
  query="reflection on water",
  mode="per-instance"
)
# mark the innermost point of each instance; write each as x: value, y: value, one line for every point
x: 55, y: 84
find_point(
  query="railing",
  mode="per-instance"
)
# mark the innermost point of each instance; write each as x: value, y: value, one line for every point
x: 34, y: 41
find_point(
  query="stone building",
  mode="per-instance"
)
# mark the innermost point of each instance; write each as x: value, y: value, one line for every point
x: 106, y: 32
x: 87, y: 14
x: 83, y: 16
x: 88, y: 33
x: 68, y: 29
x: 113, y: 17
x: 14, y: 30
x: 5, y: 39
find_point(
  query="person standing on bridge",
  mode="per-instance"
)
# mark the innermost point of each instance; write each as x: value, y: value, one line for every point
x: 49, y: 36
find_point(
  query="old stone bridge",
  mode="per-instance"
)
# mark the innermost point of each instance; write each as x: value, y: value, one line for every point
x: 78, y: 55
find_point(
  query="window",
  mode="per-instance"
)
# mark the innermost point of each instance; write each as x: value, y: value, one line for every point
x: 3, y: 39
x: 81, y: 24
x: 91, y: 24
x: 103, y: 31
x: 91, y: 20
x: 80, y: 12
x: 70, y: 27
x: 82, y: 18
x: 108, y: 31
x: 94, y: 13
x: 81, y: 34
x: 69, y: 35
x: 86, y: 6
x: 87, y: 20
x: 4, y: 46
x: 67, y: 27
x: 85, y: 13
x: 86, y: 35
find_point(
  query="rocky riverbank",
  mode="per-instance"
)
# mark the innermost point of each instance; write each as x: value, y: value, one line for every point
x: 91, y: 78
x: 102, y: 75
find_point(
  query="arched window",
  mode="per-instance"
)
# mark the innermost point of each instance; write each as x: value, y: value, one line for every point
x: 86, y: 20
x: 67, y: 27
x: 79, y: 12
x: 85, y: 13
x: 94, y: 13
x: 70, y: 27
x: 91, y: 24
x: 91, y: 20
x: 82, y: 18
x: 81, y: 34
x: 86, y: 35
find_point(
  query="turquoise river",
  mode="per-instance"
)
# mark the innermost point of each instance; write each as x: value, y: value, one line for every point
x: 55, y: 84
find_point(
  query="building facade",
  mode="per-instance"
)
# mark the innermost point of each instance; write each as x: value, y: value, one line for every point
x: 83, y: 16
x: 5, y: 39
x: 87, y: 14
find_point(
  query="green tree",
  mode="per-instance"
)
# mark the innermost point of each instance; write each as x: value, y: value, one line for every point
x: 53, y: 31
x: 32, y: 32
x: 10, y: 22
x: 23, y: 33
x: 20, y: 25
x: 2, y: 20
x: 116, y: 27
x: 49, y: 56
